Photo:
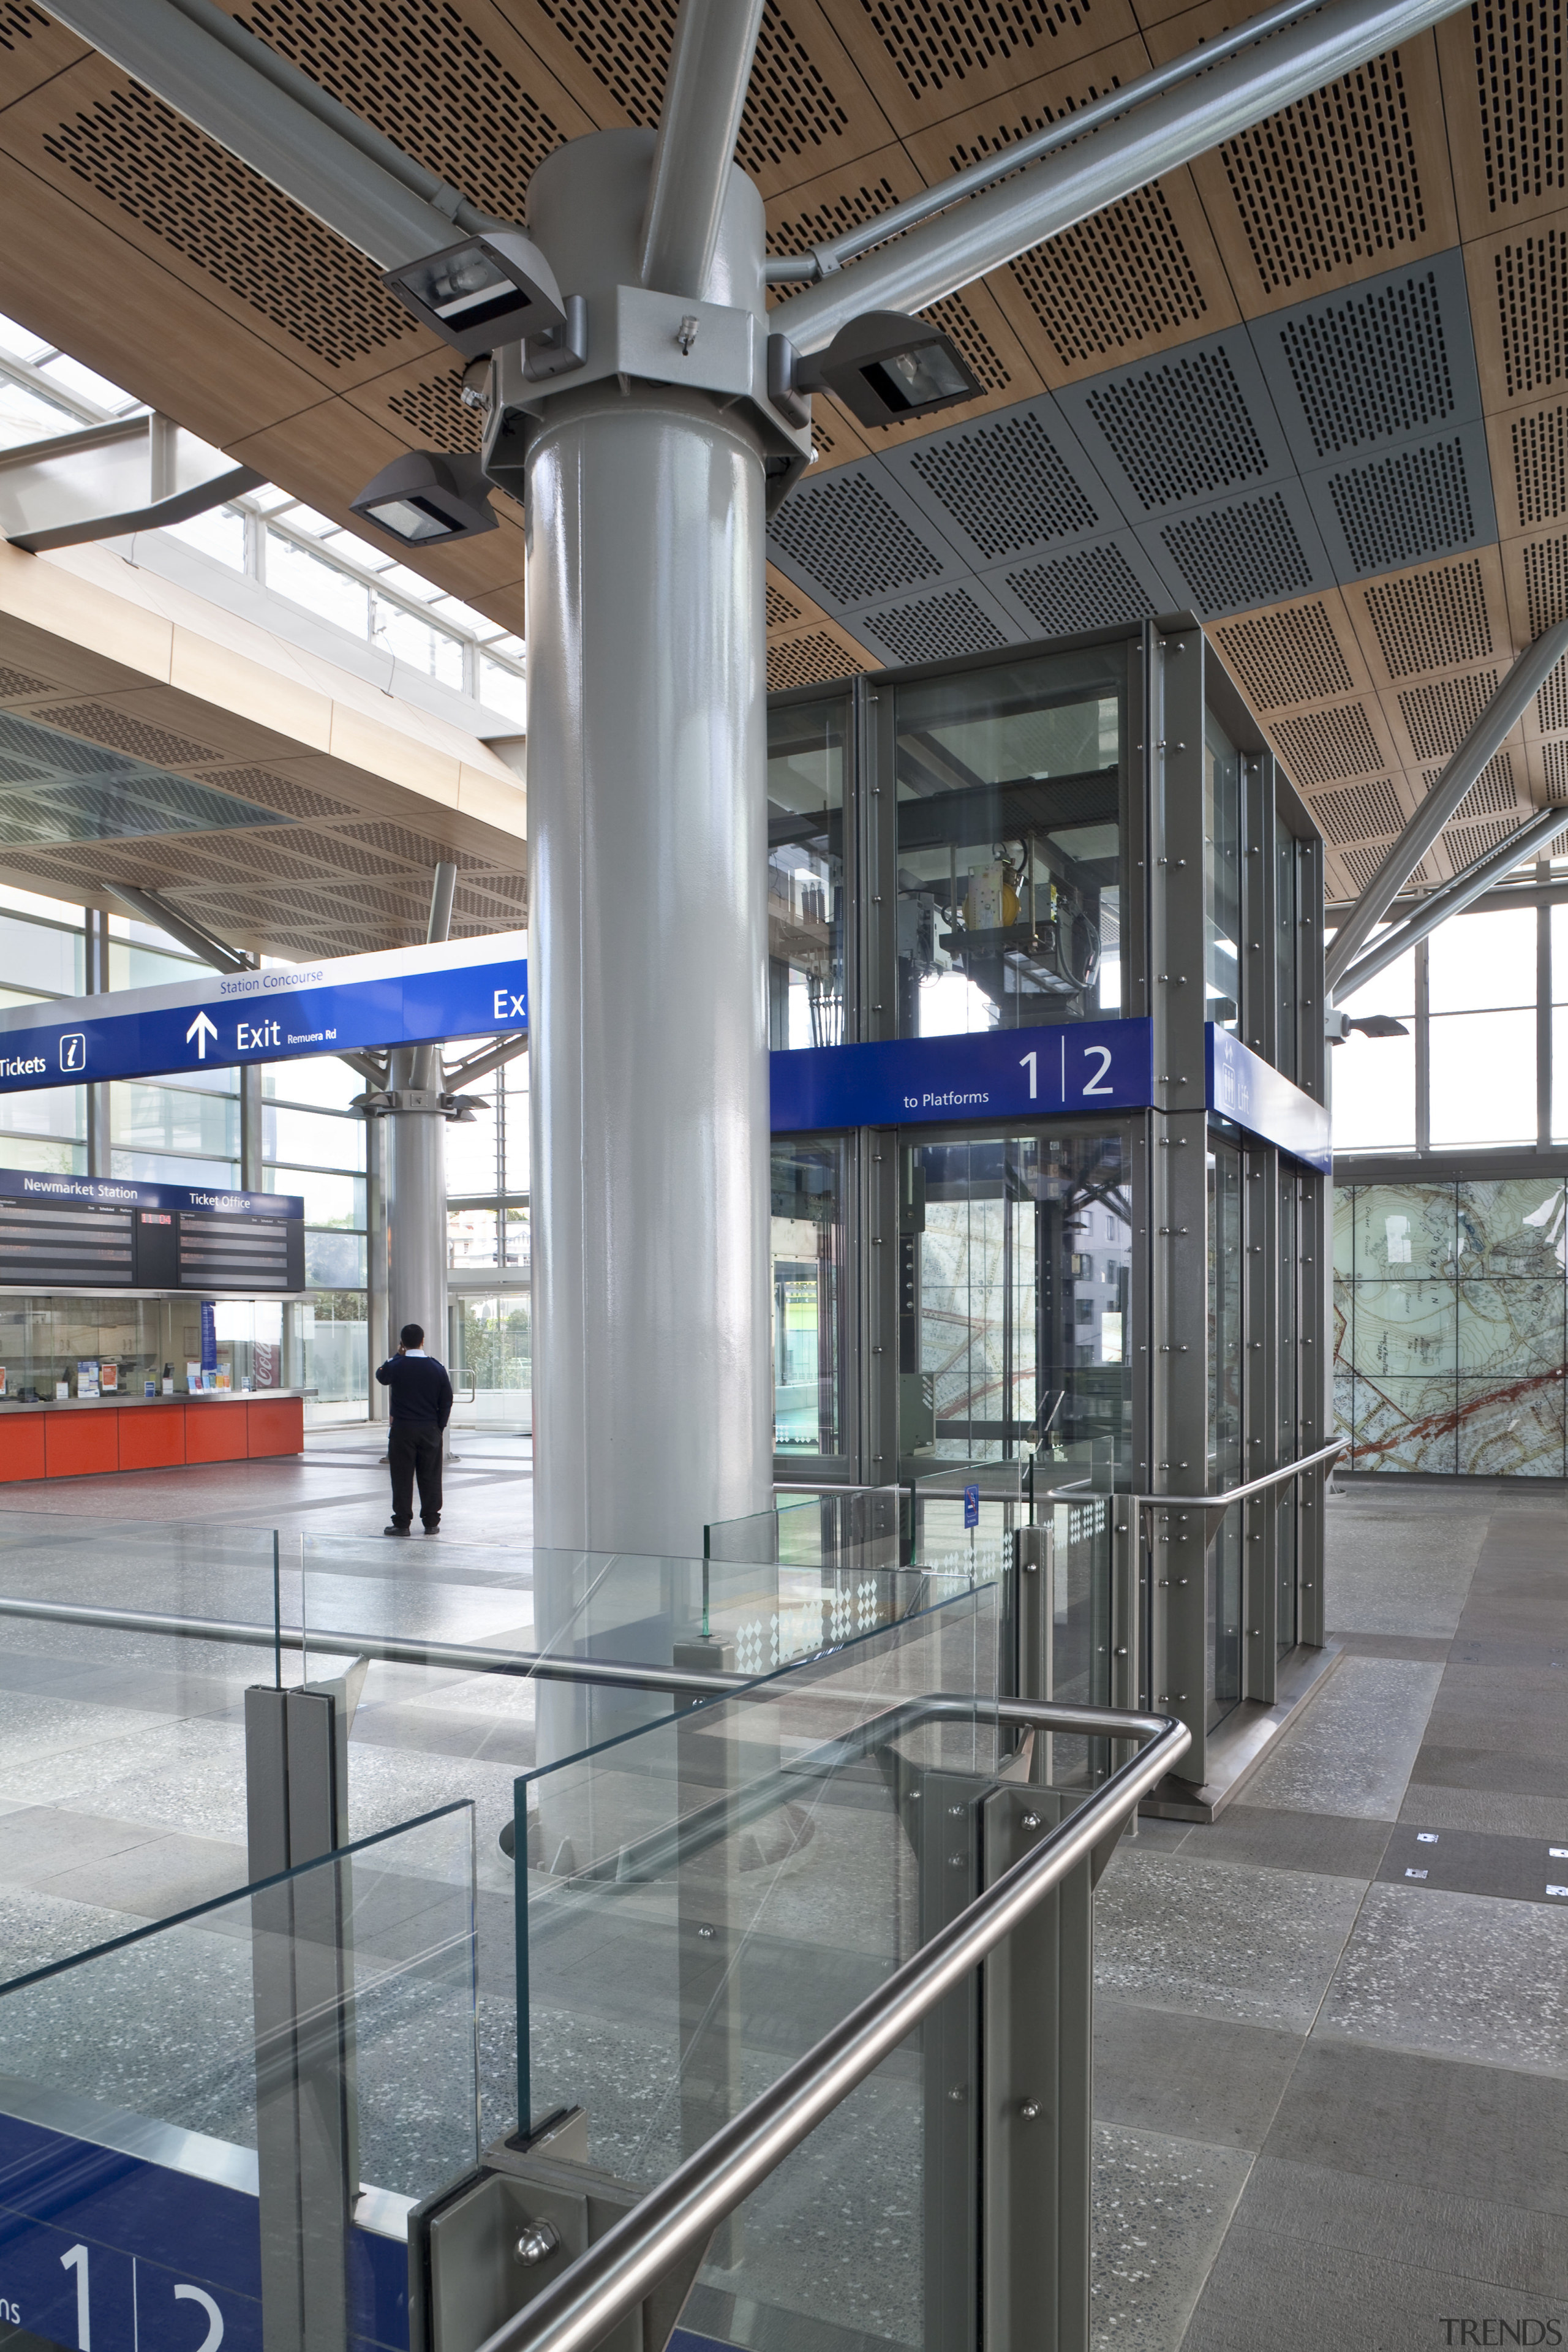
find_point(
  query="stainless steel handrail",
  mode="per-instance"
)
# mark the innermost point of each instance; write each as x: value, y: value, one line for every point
x: 1221, y: 1502
x: 679, y: 1681
x: 577, y: 2310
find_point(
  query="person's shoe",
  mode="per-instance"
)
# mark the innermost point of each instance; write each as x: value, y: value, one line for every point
x: 432, y: 1527
x: 392, y: 1528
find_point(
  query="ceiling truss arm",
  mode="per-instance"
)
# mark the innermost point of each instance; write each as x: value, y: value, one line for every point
x: 715, y: 41
x: 149, y: 909
x: 1452, y: 898
x: 194, y: 56
x: 1502, y: 713
x: 994, y: 226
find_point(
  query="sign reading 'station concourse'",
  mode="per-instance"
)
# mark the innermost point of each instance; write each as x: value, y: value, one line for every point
x: 407, y: 996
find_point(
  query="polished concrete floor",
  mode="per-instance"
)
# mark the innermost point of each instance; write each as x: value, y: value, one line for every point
x: 1332, y: 2033
x: 1332, y: 2028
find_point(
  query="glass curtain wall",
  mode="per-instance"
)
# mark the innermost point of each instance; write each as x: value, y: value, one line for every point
x: 806, y: 744
x: 1222, y: 877
x: 1010, y: 789
x: 1226, y: 1448
x: 810, y: 1298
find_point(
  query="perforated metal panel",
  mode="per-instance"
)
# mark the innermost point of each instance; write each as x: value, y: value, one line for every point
x: 781, y: 609
x: 1122, y: 278
x: 853, y: 538
x: 1492, y: 791
x: 1545, y: 582
x: 435, y: 411
x: 1329, y: 181
x: 281, y: 792
x: 1361, y: 864
x: 1518, y: 69
x: 1467, y: 843
x: 181, y: 187
x: 935, y: 44
x: 1551, y: 702
x: 1087, y: 588
x: 1358, y: 812
x: 1002, y: 484
x: 791, y: 111
x: 934, y: 628
x: 1321, y: 747
x: 1539, y: 445
x: 1532, y: 310
x: 1390, y: 360
x: 1283, y: 658
x: 813, y: 660
x: 105, y: 722
x: 1431, y: 619
x: 20, y: 685
x: 415, y: 849
x: 1428, y: 499
x: 1247, y: 552
x: 1554, y: 761
x: 1169, y: 432
x: 1438, y: 717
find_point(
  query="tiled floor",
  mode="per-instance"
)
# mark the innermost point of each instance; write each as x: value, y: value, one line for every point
x: 1331, y: 2036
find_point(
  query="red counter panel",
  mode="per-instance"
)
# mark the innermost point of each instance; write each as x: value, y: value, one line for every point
x: 151, y: 1436
x: 276, y: 1424
x: 216, y: 1433
x: 22, y: 1447
x: 76, y: 1444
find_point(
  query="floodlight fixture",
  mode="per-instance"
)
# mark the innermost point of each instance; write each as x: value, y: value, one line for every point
x: 885, y: 367
x: 422, y: 500
x: 1338, y: 1026
x: 495, y: 288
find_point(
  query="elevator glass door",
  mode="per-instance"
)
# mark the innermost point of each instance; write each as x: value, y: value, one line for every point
x: 1289, y: 1440
x: 1015, y: 1271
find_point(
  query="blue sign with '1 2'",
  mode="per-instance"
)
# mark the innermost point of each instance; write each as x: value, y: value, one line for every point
x: 994, y: 1074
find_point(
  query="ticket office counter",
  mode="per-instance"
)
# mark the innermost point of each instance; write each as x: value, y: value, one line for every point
x: 180, y: 1338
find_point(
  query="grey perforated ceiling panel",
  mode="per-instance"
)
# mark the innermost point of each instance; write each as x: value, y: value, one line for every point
x: 1173, y: 432
x: 1005, y: 485
x: 1241, y: 552
x: 1098, y: 585
x: 1400, y: 506
x: 856, y: 538
x: 960, y: 620
x: 1390, y: 360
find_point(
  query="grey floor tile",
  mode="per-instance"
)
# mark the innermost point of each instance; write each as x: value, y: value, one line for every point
x: 1487, y: 2132
x: 1161, y: 2207
x: 1198, y: 2078
x: 1470, y: 1862
x: 1429, y: 1650
x: 1431, y: 1807
x: 1352, y: 1750
x: 1336, y: 1846
x: 37, y: 1842
x: 155, y: 1880
x: 1220, y: 1940
x: 1155, y: 1836
x: 1401, y: 1570
x: 1498, y: 1768
x: 35, y: 1929
x: 1269, y: 2288
x: 1474, y: 2238
x: 1461, y: 1974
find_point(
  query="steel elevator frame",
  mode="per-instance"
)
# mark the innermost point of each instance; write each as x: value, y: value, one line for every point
x: 1164, y: 1651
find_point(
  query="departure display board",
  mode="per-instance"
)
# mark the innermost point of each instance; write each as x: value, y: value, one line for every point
x: 89, y: 1233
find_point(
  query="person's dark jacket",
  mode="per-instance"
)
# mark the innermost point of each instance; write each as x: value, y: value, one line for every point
x: 420, y: 1389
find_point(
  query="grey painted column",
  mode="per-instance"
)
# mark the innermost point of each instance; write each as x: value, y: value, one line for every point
x: 97, y: 982
x: 377, y: 1339
x: 648, y: 934
x: 417, y: 1261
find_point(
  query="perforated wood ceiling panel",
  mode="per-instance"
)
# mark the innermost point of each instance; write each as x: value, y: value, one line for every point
x: 1252, y: 387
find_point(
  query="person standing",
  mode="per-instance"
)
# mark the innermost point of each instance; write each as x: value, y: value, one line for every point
x: 421, y: 1408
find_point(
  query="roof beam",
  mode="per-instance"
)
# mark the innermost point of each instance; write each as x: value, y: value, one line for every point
x: 479, y: 1065
x: 1006, y: 219
x: 1507, y: 707
x: 195, y: 57
x: 111, y: 479
x: 710, y: 67
x: 1452, y: 898
x: 149, y: 909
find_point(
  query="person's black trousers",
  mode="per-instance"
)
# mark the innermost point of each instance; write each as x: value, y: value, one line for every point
x: 414, y: 1450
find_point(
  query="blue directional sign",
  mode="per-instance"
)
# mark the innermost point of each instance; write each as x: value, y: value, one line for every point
x: 104, y: 2252
x: 407, y: 996
x: 1243, y: 1087
x: 996, y: 1074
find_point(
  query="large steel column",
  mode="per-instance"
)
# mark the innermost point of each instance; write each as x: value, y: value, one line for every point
x: 648, y: 933
x: 416, y: 1269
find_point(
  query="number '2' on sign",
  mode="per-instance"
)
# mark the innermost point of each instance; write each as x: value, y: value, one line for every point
x: 1100, y: 1055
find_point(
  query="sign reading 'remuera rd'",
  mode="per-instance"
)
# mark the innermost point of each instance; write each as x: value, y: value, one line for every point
x: 407, y: 996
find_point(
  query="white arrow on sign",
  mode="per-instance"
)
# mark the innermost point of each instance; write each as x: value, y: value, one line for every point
x: 201, y: 1029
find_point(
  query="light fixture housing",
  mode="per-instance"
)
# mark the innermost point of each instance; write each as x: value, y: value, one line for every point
x: 423, y: 499
x: 495, y: 288
x: 885, y: 368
